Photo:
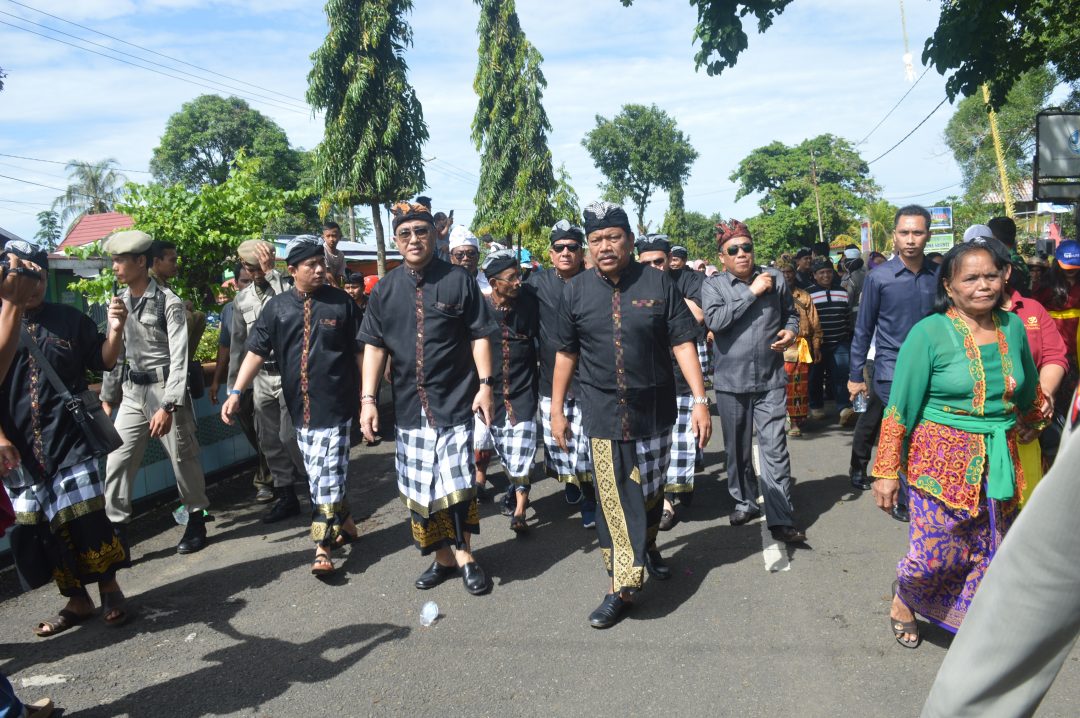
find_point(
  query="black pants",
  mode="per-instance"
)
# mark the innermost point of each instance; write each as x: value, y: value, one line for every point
x: 868, y: 426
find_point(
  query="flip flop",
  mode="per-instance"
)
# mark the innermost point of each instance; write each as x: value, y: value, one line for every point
x: 63, y: 620
x: 113, y: 601
x: 902, y: 628
x: 517, y: 523
x: 42, y: 708
x: 322, y: 566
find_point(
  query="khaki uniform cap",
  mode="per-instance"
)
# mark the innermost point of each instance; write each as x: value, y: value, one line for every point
x: 247, y: 250
x: 130, y: 241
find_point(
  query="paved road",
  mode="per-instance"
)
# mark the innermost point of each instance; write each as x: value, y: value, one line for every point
x: 242, y: 628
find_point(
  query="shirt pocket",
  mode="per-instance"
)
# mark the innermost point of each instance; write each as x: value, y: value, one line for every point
x: 447, y: 309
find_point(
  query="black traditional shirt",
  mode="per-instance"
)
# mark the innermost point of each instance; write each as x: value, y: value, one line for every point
x: 513, y: 358
x: 34, y: 417
x: 622, y: 334
x: 313, y: 338
x: 547, y: 286
x: 688, y: 282
x: 427, y: 321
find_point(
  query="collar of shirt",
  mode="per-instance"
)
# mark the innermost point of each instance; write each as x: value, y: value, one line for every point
x: 899, y: 268
x: 733, y: 279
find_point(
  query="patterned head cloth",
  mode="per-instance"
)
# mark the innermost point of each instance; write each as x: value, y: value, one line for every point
x: 302, y: 247
x: 460, y: 236
x: 680, y: 252
x: 28, y: 251
x: 564, y: 230
x: 730, y: 230
x: 499, y: 262
x: 601, y: 215
x: 653, y: 243
x: 407, y: 211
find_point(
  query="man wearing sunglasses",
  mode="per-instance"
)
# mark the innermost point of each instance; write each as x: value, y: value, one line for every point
x: 572, y: 465
x: 433, y: 324
x: 654, y: 250
x: 619, y: 324
x: 273, y: 425
x: 752, y: 315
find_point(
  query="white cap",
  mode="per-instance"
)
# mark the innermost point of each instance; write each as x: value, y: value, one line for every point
x: 852, y: 253
x: 460, y: 236
x: 977, y: 230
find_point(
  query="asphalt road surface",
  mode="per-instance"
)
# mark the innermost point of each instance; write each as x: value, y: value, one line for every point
x: 743, y: 628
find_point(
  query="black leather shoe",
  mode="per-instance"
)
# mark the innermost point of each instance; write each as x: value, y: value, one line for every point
x: 474, y: 578
x: 435, y: 575
x: 194, y: 538
x: 609, y: 612
x: 654, y: 564
x: 900, y: 513
x: 286, y: 506
x: 788, y: 534
x: 860, y: 481
x: 739, y: 517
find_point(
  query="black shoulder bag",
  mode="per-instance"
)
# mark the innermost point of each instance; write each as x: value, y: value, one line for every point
x: 85, y: 407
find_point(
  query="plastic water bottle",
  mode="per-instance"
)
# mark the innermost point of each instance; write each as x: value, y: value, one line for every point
x: 429, y: 613
x: 180, y: 516
x: 859, y: 405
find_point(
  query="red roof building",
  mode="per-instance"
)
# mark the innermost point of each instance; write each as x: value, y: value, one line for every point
x: 93, y: 227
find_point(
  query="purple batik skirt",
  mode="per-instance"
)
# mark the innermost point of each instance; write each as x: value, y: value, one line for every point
x: 950, y: 550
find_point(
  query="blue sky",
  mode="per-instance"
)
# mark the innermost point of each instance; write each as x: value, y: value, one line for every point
x: 825, y: 66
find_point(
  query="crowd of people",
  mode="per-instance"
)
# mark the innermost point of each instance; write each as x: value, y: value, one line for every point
x: 960, y: 372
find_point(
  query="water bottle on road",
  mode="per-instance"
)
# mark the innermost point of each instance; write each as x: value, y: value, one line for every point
x: 429, y: 613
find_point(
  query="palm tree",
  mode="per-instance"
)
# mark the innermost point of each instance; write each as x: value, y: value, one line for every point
x: 94, y: 188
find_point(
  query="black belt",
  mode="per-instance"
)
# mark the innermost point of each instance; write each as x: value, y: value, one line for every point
x: 148, y: 377
x: 271, y: 367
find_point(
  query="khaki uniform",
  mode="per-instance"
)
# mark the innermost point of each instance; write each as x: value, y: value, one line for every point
x: 151, y: 371
x: 277, y: 436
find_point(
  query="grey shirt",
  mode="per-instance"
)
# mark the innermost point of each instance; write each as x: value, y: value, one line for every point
x: 744, y: 326
x: 147, y: 347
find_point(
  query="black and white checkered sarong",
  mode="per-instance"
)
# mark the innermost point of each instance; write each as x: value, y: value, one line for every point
x: 575, y: 464
x: 435, y: 467
x: 705, y: 358
x: 652, y: 463
x: 68, y: 488
x: 516, y: 447
x: 680, y: 472
x: 326, y: 460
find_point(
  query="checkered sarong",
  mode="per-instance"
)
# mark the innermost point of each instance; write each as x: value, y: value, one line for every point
x: 326, y: 460
x: 516, y: 447
x: 705, y: 358
x: 435, y: 467
x: 680, y: 471
x: 70, y: 487
x: 652, y: 463
x: 481, y: 439
x: 575, y: 464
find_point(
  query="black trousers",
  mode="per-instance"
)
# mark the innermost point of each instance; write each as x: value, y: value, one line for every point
x: 867, y: 428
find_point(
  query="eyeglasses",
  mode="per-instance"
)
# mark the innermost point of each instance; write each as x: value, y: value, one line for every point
x: 420, y: 233
x: 734, y: 249
x: 658, y: 262
x: 571, y: 247
x: 514, y: 279
x: 465, y: 254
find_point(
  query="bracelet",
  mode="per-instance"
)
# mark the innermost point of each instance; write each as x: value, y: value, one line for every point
x: 703, y: 400
x: 367, y: 396
x: 367, y: 400
x: 235, y: 392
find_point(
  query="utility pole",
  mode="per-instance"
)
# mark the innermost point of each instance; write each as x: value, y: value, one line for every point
x: 817, y: 197
x: 1006, y: 191
x: 352, y: 223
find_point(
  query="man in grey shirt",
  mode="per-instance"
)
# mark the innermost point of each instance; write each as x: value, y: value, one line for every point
x: 752, y: 316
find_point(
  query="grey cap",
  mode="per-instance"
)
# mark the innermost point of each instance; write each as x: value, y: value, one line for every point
x: 129, y: 241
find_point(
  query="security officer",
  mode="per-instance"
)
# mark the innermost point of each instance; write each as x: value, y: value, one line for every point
x: 277, y: 437
x: 150, y: 384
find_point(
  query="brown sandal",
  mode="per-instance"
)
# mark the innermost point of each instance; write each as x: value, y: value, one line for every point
x: 902, y: 628
x: 113, y: 601
x: 64, y: 620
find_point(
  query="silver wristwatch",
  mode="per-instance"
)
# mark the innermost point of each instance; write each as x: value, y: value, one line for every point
x: 703, y: 400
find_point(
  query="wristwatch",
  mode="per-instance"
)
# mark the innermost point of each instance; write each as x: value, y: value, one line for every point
x: 169, y: 407
x: 703, y: 400
x: 489, y: 381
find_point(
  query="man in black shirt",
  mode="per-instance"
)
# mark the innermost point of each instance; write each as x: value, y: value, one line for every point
x: 677, y: 260
x: 430, y: 319
x: 513, y: 426
x: 621, y: 321
x: 311, y: 332
x: 653, y: 251
x: 572, y: 465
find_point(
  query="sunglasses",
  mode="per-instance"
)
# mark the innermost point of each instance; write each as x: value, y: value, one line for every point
x: 734, y: 249
x: 658, y: 262
x: 560, y: 248
x: 419, y: 233
x: 465, y: 254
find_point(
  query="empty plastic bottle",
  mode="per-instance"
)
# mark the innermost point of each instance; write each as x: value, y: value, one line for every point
x: 429, y: 613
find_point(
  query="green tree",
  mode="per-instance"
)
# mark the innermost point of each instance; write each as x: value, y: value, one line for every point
x: 93, y: 188
x: 375, y: 129
x: 720, y: 29
x: 48, y: 229
x: 786, y: 177
x: 675, y: 217
x: 968, y: 135
x: 202, y: 140
x: 882, y: 216
x: 995, y: 42
x: 206, y: 224
x: 517, y: 182
x: 565, y: 201
x: 640, y: 151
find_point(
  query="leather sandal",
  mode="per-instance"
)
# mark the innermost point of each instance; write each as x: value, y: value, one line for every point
x: 322, y: 566
x: 113, y: 601
x: 63, y: 620
x: 902, y: 628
